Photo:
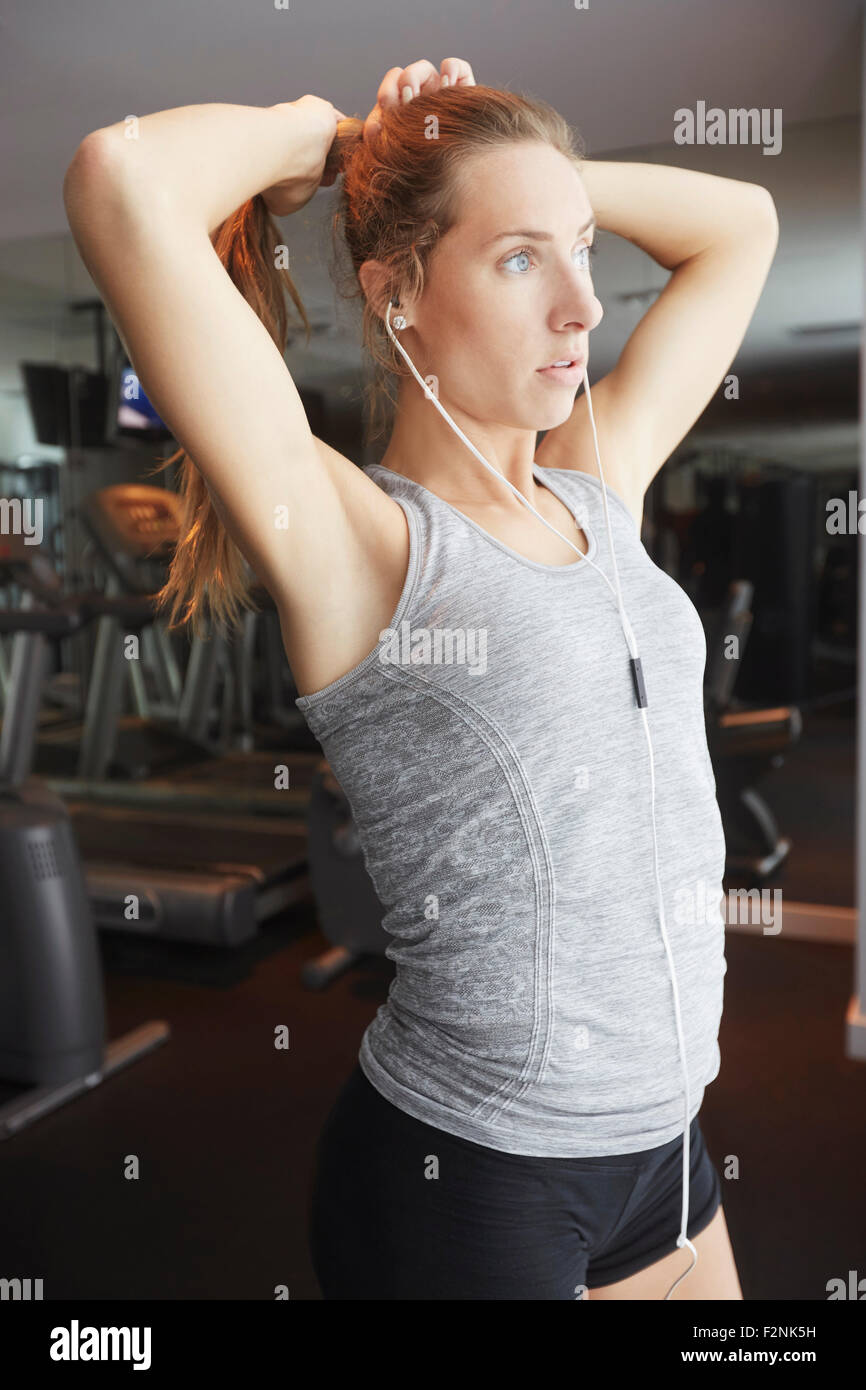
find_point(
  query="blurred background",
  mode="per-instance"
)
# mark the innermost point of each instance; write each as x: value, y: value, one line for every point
x: 252, y: 906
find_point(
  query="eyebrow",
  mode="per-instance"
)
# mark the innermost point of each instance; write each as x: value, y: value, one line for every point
x: 536, y: 236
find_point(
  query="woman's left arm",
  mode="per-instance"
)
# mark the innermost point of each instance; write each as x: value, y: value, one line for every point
x: 718, y: 237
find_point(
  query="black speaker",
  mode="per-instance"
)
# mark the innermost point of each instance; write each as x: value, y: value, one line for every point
x: 710, y: 544
x: 774, y: 547
x: 58, y: 396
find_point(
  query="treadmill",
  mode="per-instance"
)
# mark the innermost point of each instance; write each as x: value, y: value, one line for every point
x: 168, y: 753
x: 181, y: 874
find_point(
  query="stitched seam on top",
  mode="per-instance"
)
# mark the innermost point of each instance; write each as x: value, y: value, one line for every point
x: 539, y: 565
x: 418, y: 551
x: 463, y: 708
x: 597, y: 487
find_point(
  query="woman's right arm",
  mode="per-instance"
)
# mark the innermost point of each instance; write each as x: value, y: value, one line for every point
x: 142, y: 211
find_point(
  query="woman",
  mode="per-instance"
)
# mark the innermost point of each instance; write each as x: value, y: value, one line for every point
x: 515, y: 1126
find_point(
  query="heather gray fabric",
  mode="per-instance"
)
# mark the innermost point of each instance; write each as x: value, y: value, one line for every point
x: 502, y: 800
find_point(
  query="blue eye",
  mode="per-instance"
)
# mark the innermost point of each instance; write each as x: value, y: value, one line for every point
x: 588, y: 251
x: 514, y: 256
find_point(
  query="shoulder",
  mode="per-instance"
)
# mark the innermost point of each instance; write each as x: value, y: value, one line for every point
x: 584, y: 482
x: 571, y: 447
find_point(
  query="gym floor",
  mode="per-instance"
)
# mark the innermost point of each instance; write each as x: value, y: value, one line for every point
x: 224, y: 1126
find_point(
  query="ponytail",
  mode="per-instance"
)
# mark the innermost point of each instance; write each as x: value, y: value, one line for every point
x: 398, y: 197
x: 209, y: 575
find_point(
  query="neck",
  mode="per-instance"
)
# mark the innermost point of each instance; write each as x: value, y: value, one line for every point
x: 424, y: 447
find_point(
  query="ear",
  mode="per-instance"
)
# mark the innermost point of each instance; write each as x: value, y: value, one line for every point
x: 377, y: 286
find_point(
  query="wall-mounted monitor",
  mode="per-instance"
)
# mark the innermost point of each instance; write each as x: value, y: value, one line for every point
x: 131, y: 415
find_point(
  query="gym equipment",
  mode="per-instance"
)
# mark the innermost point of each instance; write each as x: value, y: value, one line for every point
x: 132, y: 529
x: 52, y: 1006
x: 196, y: 876
x: 136, y: 524
x: 745, y: 744
x: 171, y: 737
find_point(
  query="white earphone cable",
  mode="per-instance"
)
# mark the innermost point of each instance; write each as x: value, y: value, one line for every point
x: 682, y: 1239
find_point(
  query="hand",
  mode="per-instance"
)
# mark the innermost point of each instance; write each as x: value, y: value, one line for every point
x: 422, y: 78
x: 320, y: 119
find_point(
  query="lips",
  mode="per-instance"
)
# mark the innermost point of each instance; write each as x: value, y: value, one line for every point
x: 565, y: 376
x: 575, y: 359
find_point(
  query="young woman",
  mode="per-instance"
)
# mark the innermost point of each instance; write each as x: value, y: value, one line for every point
x: 516, y: 1125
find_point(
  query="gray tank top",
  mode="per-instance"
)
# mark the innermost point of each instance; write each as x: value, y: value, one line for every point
x: 497, y: 768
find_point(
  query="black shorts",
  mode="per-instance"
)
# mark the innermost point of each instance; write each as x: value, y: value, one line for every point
x: 492, y: 1224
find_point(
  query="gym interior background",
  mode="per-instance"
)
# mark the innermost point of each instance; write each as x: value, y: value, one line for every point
x: 255, y: 913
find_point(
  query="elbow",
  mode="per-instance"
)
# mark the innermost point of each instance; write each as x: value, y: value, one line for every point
x: 765, y: 210
x: 90, y: 168
x: 90, y: 156
x: 754, y: 222
x: 770, y: 223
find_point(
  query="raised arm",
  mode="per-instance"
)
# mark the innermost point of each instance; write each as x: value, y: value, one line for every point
x: 718, y: 237
x: 143, y: 211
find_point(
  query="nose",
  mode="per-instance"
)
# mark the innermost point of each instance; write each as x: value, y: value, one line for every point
x: 580, y: 305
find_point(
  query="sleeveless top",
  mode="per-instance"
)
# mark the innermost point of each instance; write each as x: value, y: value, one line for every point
x: 496, y: 764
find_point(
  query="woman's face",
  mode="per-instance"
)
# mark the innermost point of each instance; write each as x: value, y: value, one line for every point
x: 509, y: 290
